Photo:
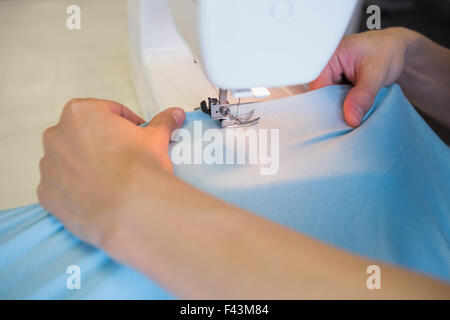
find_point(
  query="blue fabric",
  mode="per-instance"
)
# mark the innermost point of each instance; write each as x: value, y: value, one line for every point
x: 381, y: 190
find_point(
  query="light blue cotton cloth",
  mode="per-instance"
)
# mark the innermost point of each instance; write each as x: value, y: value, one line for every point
x: 381, y: 190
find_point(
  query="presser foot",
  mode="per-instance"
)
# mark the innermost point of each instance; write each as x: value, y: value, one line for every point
x: 222, y: 113
x: 239, y: 121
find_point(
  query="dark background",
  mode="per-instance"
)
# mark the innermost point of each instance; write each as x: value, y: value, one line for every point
x: 429, y: 17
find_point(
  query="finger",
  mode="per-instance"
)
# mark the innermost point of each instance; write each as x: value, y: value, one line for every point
x: 49, y: 170
x: 324, y: 79
x: 77, y: 108
x: 360, y: 98
x: 48, y: 194
x: 121, y: 110
x: 331, y: 74
x: 53, y: 200
x: 164, y: 123
x: 48, y: 138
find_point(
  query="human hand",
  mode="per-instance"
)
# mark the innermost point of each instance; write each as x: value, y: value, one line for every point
x: 93, y: 162
x: 368, y: 60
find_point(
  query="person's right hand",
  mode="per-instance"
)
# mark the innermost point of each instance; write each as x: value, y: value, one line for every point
x: 368, y: 60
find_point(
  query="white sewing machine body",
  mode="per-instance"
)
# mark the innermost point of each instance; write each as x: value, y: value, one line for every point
x: 184, y: 50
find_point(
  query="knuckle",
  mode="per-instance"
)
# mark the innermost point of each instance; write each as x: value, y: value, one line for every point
x: 72, y: 107
x: 48, y: 137
x: 43, y: 197
x: 41, y: 165
x: 40, y: 191
x: 47, y: 134
x: 45, y: 167
x: 73, y: 103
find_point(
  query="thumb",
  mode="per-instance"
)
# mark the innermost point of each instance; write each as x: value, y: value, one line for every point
x: 163, y: 124
x: 361, y: 97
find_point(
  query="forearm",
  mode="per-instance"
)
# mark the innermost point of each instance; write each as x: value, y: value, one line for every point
x: 425, y: 79
x: 200, y: 247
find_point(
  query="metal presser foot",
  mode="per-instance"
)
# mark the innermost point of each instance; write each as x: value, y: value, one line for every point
x: 220, y: 110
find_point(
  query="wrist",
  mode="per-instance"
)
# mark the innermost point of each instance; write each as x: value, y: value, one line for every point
x: 148, y: 189
x: 406, y: 40
x: 410, y: 39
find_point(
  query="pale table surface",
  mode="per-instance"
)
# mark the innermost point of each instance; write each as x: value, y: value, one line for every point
x: 42, y: 66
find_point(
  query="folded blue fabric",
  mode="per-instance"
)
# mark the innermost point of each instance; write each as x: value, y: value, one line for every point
x: 381, y: 191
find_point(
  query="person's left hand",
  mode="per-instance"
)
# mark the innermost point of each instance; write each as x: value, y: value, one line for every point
x: 94, y: 160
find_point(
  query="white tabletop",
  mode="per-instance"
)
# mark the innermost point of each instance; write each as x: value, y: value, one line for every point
x: 42, y: 66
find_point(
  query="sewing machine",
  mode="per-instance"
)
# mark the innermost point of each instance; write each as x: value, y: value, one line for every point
x: 190, y: 52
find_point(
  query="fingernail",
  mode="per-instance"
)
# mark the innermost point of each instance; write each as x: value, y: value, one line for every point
x: 356, y: 115
x: 178, y: 115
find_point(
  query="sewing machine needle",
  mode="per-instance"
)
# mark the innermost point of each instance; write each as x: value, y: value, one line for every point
x: 237, y: 110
